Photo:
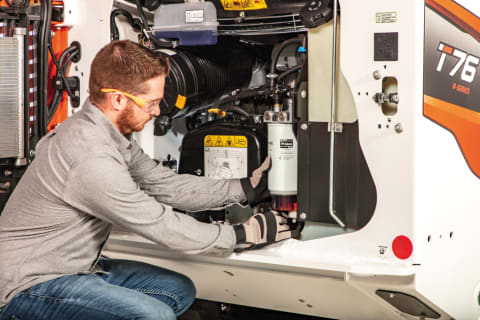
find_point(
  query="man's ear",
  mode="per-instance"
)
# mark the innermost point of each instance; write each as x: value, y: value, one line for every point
x: 118, y: 101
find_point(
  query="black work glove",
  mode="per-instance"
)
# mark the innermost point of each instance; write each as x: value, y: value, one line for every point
x: 262, y: 229
x: 255, y: 187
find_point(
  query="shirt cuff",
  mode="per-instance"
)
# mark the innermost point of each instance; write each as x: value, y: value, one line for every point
x: 225, y: 243
x: 236, y: 191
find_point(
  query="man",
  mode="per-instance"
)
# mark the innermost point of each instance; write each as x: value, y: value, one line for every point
x: 89, y: 175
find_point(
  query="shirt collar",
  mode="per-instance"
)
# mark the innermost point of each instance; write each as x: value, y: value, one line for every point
x: 97, y: 116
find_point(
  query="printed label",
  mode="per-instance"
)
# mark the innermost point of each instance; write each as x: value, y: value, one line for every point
x: 225, y: 141
x: 386, y: 17
x: 286, y: 143
x: 240, y: 5
x: 382, y: 251
x: 225, y: 156
x: 226, y: 163
x: 194, y: 16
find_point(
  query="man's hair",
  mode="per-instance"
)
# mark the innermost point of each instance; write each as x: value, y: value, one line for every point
x: 124, y: 65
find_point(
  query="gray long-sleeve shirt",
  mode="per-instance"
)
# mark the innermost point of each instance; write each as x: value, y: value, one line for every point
x: 87, y: 177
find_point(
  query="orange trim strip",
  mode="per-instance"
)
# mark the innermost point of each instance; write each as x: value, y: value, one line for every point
x: 32, y: 2
x: 463, y: 123
x: 458, y: 15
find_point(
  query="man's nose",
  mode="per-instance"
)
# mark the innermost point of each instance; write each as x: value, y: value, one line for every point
x: 156, y: 111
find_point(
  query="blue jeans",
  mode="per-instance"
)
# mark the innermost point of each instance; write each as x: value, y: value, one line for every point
x: 130, y: 290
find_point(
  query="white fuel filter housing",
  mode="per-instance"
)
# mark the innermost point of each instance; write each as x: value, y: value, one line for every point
x: 282, y: 148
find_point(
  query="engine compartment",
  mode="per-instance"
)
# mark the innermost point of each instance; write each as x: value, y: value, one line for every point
x: 254, y: 83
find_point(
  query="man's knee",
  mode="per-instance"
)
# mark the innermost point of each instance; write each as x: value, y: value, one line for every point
x: 188, y: 287
x: 187, y: 290
x: 155, y: 311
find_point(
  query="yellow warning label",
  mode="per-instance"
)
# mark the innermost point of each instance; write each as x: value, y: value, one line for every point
x: 181, y: 100
x: 219, y: 141
x: 240, y: 5
x: 208, y: 142
x: 226, y: 141
x: 229, y: 142
x: 241, y: 142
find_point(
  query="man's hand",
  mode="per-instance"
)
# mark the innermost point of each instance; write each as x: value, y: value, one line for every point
x: 262, y: 229
x: 255, y: 187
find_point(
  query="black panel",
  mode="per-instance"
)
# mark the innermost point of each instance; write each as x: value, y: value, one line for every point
x: 386, y: 46
x: 355, y: 191
x: 408, y: 304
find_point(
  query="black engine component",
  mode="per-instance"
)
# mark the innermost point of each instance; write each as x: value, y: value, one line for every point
x: 196, y: 143
x: 316, y: 12
x: 202, y: 74
x: 192, y: 156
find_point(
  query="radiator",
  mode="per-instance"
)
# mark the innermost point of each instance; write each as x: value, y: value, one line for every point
x: 12, y: 111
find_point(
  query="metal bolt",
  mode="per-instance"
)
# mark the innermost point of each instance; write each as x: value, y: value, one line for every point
x: 394, y: 98
x: 303, y: 216
x: 198, y: 172
x: 377, y: 75
x: 8, y: 173
x: 398, y: 128
x: 242, y: 14
x: 268, y: 115
x: 304, y: 126
x: 32, y: 153
x: 224, y: 307
x: 303, y: 94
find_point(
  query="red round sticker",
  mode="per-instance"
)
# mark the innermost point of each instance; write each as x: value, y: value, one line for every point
x: 402, y: 247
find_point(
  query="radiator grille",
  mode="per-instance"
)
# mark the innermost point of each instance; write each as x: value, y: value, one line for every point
x: 11, y: 98
x: 261, y: 25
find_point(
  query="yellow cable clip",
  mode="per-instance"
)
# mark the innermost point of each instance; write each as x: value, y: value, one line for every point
x: 217, y: 111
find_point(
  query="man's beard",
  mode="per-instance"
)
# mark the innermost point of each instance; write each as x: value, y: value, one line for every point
x: 127, y: 122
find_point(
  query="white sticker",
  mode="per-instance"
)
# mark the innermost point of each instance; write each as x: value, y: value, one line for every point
x: 386, y: 17
x: 194, y: 16
x: 287, y: 149
x: 226, y: 163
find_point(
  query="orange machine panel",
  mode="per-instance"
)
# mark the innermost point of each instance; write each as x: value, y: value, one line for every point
x: 59, y: 44
x: 451, y: 74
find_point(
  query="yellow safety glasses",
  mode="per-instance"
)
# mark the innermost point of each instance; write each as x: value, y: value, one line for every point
x: 147, y: 105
